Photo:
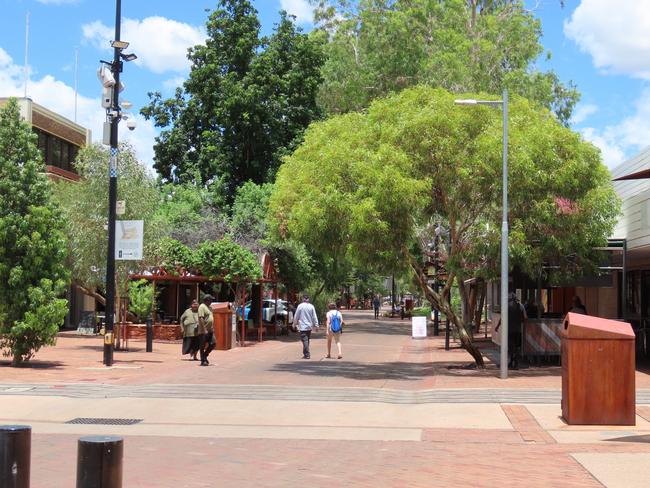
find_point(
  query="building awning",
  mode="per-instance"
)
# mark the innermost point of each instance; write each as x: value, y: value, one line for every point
x: 639, y: 175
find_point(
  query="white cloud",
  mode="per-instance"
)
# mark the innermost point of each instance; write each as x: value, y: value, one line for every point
x: 174, y: 83
x: 582, y: 113
x: 612, y: 153
x: 59, y: 97
x: 160, y: 43
x: 300, y: 8
x: 622, y: 140
x: 614, y: 33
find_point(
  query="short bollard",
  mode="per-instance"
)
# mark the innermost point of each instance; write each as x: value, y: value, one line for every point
x: 149, y: 335
x: 15, y: 454
x: 99, y: 462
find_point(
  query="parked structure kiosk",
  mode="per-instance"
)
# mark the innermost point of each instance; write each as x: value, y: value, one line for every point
x: 222, y: 322
x: 598, y: 370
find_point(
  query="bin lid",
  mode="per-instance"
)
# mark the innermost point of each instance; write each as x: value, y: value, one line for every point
x: 579, y: 326
x: 221, y: 307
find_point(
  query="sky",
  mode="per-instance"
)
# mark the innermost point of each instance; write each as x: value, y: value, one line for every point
x: 603, y: 46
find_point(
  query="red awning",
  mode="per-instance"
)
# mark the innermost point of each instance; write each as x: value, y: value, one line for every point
x: 639, y: 175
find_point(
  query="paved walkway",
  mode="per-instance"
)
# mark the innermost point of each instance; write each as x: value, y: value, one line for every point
x: 394, y: 412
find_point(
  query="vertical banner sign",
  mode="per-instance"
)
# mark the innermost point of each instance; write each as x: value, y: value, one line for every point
x: 113, y: 163
x: 129, y: 236
x: 419, y: 327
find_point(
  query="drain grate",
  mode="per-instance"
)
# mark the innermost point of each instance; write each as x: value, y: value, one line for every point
x: 101, y: 421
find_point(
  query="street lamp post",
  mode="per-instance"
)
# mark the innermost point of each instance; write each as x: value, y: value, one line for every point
x: 504, y: 227
x: 113, y: 116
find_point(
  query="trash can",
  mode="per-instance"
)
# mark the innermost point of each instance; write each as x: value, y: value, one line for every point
x: 222, y: 322
x: 597, y: 371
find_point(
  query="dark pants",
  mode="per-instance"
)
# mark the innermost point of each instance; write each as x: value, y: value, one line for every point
x: 305, y: 335
x: 207, y: 345
x: 376, y: 312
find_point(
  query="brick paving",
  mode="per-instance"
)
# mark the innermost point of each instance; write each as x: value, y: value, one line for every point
x: 379, y: 357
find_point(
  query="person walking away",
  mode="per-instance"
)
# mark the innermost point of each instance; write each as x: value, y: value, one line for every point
x: 516, y: 318
x: 305, y: 320
x: 334, y: 329
x: 206, y: 330
x: 190, y: 325
x: 376, y: 303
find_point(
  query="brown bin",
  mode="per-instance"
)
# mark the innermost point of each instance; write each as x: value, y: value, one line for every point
x: 222, y: 320
x: 597, y: 371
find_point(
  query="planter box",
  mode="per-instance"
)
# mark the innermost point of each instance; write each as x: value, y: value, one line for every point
x: 161, y: 332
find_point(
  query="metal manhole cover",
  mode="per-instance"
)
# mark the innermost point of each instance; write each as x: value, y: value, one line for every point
x: 101, y: 421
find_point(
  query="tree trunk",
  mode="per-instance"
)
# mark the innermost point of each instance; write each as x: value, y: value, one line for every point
x: 443, y: 305
x: 17, y: 360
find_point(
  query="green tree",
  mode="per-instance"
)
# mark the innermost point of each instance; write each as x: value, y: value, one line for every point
x: 141, y: 298
x: 246, y: 103
x: 377, y: 47
x: 32, y: 244
x: 381, y: 181
x: 85, y: 207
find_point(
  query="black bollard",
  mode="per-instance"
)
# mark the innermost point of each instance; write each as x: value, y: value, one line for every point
x: 15, y: 454
x: 99, y: 462
x: 149, y: 335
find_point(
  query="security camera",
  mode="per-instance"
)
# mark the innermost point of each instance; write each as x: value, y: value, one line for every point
x: 131, y: 123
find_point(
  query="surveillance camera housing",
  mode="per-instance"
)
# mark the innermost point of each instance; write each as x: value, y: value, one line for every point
x: 131, y: 123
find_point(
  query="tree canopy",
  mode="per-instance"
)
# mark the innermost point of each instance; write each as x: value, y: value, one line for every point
x: 32, y: 244
x: 371, y: 187
x: 85, y: 207
x: 377, y: 47
x: 245, y: 104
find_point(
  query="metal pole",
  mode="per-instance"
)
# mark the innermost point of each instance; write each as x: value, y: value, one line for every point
x: 112, y: 197
x: 504, y: 245
x: 15, y: 454
x: 99, y: 462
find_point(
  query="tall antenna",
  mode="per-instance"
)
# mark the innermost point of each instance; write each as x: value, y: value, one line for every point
x: 76, y: 79
x: 26, y: 52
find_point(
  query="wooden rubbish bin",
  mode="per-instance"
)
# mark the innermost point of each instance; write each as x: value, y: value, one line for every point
x: 222, y: 321
x: 597, y: 371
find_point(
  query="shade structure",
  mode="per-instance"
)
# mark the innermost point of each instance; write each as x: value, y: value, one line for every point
x: 639, y: 175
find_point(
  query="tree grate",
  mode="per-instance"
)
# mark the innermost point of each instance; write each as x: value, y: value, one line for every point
x: 103, y: 421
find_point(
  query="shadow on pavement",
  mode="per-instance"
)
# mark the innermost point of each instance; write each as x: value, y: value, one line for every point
x: 34, y: 365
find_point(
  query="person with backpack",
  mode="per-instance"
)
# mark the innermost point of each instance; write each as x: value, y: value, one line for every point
x: 334, y: 329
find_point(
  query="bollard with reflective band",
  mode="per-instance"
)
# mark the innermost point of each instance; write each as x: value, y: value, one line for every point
x: 149, y: 335
x: 99, y: 462
x: 15, y: 453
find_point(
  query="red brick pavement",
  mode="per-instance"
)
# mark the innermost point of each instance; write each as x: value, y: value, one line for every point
x: 527, y: 426
x: 475, y: 459
x: 378, y: 354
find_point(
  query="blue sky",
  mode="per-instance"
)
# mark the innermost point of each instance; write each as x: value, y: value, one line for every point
x: 602, y: 45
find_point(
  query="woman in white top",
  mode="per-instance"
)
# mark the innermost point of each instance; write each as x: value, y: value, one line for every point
x: 334, y: 328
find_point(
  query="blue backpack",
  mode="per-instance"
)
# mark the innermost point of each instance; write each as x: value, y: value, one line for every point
x: 335, y: 322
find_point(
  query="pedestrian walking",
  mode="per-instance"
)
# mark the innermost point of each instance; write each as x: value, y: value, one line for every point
x: 190, y: 325
x: 206, y: 330
x: 305, y: 320
x: 376, y: 304
x: 578, y: 307
x: 516, y: 318
x: 334, y: 329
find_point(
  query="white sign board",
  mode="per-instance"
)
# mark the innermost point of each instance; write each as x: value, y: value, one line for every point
x: 419, y: 327
x: 129, y: 235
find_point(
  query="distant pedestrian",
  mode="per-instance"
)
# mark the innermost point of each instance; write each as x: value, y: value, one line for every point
x: 206, y: 330
x: 305, y: 320
x: 516, y: 318
x: 578, y: 307
x: 190, y: 325
x: 376, y: 304
x: 334, y: 329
